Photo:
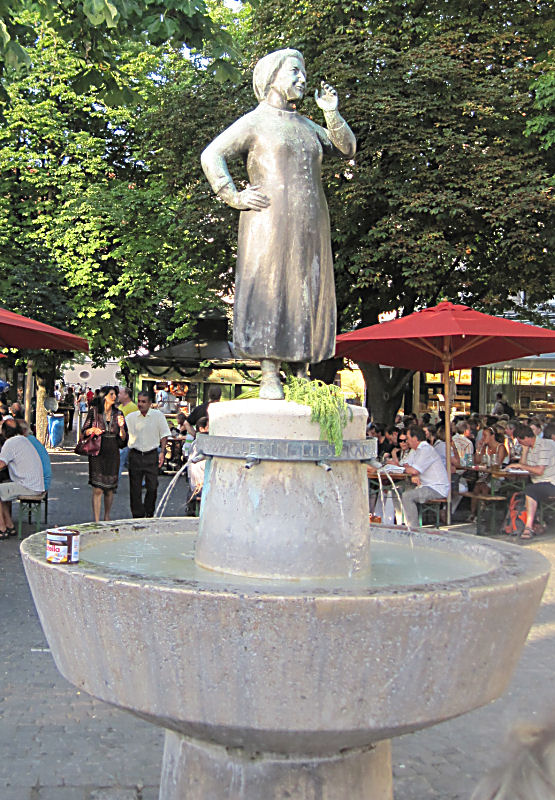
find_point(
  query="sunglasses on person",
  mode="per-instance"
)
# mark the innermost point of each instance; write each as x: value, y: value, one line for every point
x: 403, y: 439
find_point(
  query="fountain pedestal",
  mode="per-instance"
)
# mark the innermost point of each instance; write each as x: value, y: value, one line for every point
x: 279, y: 518
x: 198, y: 771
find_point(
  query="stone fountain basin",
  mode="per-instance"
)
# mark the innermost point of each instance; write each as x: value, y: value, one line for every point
x: 284, y: 666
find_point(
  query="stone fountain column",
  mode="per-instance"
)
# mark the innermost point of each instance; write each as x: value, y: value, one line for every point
x: 276, y: 506
x: 193, y: 771
x: 276, y: 501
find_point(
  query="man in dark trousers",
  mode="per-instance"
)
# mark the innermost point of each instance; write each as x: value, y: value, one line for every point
x: 148, y: 434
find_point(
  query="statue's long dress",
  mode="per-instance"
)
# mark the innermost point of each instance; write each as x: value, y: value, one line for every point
x: 284, y: 286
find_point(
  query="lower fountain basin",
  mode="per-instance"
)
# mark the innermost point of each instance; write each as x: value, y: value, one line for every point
x: 290, y: 667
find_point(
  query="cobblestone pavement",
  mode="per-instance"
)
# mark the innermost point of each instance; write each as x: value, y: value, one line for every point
x: 60, y: 744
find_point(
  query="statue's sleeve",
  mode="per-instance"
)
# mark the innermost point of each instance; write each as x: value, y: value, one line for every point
x: 232, y: 143
x: 338, y: 139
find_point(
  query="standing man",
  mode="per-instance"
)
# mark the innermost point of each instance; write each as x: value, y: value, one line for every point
x: 499, y: 406
x: 148, y: 431
x: 69, y: 401
x: 427, y: 472
x: 126, y: 406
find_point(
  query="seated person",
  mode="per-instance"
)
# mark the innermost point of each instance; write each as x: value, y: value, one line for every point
x: 379, y: 434
x: 41, y: 450
x: 196, y: 469
x: 214, y: 396
x: 538, y: 459
x: 537, y: 427
x: 16, y: 410
x: 427, y: 472
x: 511, y: 442
x: 399, y: 455
x: 25, y: 471
x: 490, y: 452
x: 462, y: 441
x: 390, y: 440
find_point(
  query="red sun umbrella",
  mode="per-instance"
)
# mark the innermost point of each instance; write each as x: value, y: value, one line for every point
x: 24, y: 333
x: 446, y: 333
x: 443, y: 338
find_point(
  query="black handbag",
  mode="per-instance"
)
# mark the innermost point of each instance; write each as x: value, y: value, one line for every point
x: 88, y: 445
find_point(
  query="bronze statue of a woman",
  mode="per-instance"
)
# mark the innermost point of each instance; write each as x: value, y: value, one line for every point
x: 284, y: 288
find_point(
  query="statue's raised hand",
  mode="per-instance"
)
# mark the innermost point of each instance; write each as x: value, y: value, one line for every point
x: 327, y: 100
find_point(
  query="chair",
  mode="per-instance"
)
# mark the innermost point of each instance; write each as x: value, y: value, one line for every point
x: 491, y: 502
x: 32, y: 504
x: 546, y: 505
x: 434, y: 506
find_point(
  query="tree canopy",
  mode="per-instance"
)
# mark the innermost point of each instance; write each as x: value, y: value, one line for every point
x: 108, y: 222
x: 96, y: 30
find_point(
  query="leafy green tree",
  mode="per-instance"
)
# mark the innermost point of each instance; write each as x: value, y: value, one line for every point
x: 98, y: 29
x: 542, y: 121
x: 94, y: 233
x: 446, y: 198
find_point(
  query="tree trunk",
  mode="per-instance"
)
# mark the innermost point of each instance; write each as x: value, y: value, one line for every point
x: 29, y: 389
x: 326, y: 370
x: 14, y: 384
x: 384, y: 393
x: 40, y: 414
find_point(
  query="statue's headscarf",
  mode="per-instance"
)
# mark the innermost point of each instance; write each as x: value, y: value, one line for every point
x: 267, y: 68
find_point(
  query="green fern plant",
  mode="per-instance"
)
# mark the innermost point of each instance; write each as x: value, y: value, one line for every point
x: 327, y: 404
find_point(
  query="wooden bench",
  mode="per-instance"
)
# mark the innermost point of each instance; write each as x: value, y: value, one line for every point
x: 490, y: 501
x: 546, y: 505
x: 435, y: 505
x: 32, y: 503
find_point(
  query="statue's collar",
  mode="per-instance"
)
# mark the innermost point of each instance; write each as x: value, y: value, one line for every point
x: 288, y: 111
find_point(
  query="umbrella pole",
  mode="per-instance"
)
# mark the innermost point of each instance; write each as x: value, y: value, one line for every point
x: 28, y: 391
x: 446, y: 365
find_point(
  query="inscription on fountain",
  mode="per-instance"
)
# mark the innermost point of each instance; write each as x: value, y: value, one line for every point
x: 283, y: 449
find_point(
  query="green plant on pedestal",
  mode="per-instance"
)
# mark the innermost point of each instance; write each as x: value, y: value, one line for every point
x: 327, y: 404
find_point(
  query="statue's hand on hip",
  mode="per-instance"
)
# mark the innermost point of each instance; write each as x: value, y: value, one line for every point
x: 327, y: 100
x: 250, y: 199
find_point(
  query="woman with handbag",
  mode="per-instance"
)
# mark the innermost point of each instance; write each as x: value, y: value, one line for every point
x: 106, y: 421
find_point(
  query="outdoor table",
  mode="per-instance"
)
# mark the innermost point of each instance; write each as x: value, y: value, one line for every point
x: 512, y: 478
x: 500, y: 479
x: 374, y: 481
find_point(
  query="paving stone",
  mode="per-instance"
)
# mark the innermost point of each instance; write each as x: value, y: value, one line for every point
x: 150, y: 793
x: 15, y: 793
x: 58, y: 743
x: 114, y: 794
x: 62, y: 793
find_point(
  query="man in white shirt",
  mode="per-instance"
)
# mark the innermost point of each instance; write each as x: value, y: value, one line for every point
x: 148, y: 431
x: 25, y: 470
x: 427, y: 471
x: 538, y: 459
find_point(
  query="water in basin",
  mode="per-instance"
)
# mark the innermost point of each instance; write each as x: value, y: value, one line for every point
x: 170, y: 555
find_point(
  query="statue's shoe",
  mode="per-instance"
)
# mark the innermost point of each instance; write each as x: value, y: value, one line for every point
x: 271, y: 388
